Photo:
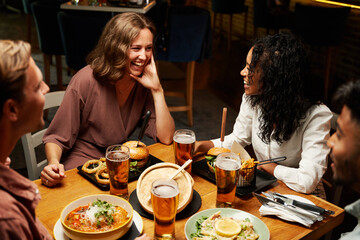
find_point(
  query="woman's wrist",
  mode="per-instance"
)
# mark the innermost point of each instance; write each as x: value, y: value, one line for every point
x: 53, y: 161
x: 157, y: 91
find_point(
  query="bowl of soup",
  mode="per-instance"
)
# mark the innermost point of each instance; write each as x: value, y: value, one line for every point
x: 99, y: 216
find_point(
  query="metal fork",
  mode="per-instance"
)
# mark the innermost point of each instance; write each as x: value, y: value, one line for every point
x: 278, y: 206
x: 312, y: 215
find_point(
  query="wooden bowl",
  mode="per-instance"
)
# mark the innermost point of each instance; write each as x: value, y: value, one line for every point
x: 106, y: 235
x: 164, y: 170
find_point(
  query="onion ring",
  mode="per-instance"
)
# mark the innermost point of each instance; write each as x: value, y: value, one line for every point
x: 102, y: 172
x: 86, y: 165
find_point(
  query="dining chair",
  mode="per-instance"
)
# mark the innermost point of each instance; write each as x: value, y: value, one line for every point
x: 28, y: 14
x: 189, y: 40
x: 322, y: 27
x: 229, y: 7
x: 271, y: 17
x: 32, y: 140
x: 45, y: 16
x: 79, y: 33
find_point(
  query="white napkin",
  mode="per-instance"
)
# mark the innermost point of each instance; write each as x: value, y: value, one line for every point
x: 288, y: 215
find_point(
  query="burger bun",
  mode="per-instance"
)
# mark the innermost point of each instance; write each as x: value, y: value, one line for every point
x: 217, y: 150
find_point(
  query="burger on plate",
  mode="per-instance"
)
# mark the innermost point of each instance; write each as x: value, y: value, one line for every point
x: 139, y: 155
x: 212, y: 154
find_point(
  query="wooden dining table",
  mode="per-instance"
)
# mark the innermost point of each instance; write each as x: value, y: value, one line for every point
x: 75, y: 186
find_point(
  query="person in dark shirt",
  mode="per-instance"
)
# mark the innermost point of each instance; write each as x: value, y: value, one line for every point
x: 345, y: 147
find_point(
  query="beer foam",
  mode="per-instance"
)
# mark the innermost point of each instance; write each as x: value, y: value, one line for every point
x: 118, y: 156
x: 227, y: 164
x: 184, y: 139
x: 165, y: 191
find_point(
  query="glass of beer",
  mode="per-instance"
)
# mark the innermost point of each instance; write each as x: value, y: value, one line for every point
x: 184, y: 143
x: 118, y: 164
x: 165, y: 200
x: 227, y: 167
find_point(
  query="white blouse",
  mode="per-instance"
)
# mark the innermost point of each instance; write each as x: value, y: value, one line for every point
x: 306, y: 150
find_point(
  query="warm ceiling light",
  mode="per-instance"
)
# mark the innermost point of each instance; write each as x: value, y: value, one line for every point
x: 339, y: 3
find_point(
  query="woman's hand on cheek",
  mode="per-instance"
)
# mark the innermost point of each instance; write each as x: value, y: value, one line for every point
x: 149, y: 78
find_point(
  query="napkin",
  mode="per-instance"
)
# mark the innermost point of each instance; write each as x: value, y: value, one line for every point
x: 286, y: 214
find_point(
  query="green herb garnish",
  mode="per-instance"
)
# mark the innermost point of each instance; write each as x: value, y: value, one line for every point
x: 198, y: 227
x: 211, y: 160
x: 134, y: 167
x: 106, y: 210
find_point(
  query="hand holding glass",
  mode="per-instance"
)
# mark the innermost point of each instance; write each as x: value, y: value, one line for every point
x: 227, y: 167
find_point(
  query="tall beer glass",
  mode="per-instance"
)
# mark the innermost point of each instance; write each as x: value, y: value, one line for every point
x: 184, y: 143
x: 165, y: 200
x: 227, y: 167
x: 118, y: 164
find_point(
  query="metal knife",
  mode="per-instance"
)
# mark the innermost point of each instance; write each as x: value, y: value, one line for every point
x: 143, y: 126
x: 302, y: 205
x: 307, y: 216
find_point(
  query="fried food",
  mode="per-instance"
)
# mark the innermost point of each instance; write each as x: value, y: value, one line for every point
x: 97, y: 167
x: 102, y: 176
x: 91, y: 166
x: 247, y: 169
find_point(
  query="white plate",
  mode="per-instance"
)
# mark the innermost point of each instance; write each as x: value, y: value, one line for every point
x: 259, y: 226
x: 59, y: 233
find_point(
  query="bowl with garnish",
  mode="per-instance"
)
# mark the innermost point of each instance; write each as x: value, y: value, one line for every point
x: 99, y: 216
x: 225, y: 223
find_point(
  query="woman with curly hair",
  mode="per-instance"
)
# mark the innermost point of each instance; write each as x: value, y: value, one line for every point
x: 279, y: 116
x: 106, y: 100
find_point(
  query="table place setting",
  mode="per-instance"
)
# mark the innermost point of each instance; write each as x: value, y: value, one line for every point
x: 291, y: 208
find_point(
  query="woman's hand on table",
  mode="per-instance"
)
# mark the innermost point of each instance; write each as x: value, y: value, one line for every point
x: 52, y: 174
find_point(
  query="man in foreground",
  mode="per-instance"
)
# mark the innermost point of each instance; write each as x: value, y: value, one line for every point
x: 345, y: 147
x: 22, y: 100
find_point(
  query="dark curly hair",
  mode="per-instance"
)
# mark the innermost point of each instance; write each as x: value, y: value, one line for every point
x: 349, y: 94
x: 284, y: 96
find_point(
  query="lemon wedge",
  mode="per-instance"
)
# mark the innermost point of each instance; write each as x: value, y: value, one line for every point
x: 227, y: 227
